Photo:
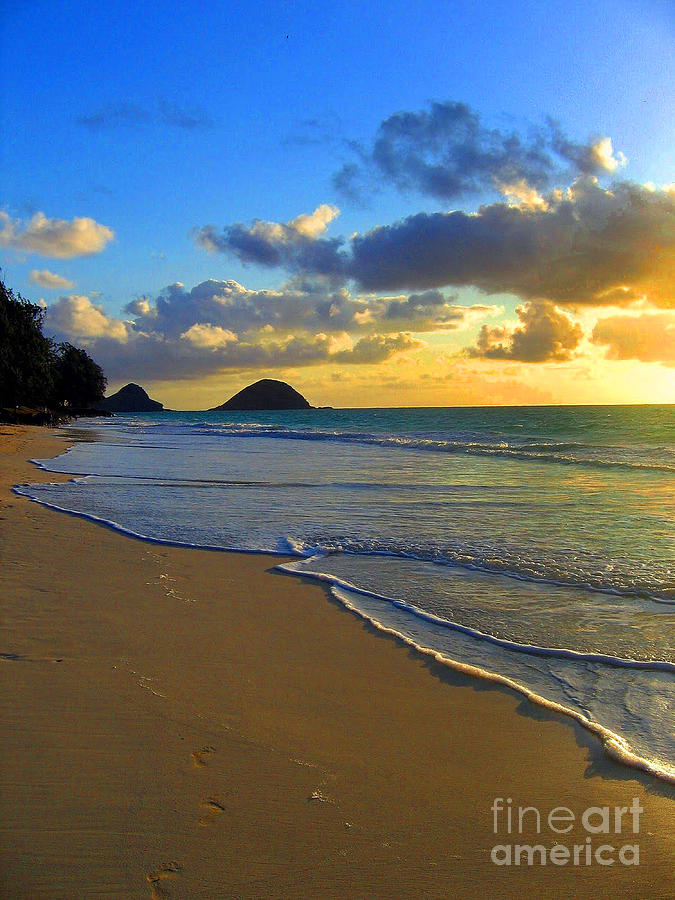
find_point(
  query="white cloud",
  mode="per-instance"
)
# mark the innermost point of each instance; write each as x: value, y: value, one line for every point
x: 48, y: 279
x: 56, y: 238
x: 219, y: 326
x: 520, y: 193
x: 208, y: 336
x: 314, y: 224
x: 293, y: 309
x: 602, y: 154
x: 76, y: 317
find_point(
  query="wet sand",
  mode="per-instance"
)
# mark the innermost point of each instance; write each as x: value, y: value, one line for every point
x: 187, y: 723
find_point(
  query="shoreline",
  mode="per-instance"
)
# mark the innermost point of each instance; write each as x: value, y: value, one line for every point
x: 614, y: 743
x: 292, y: 754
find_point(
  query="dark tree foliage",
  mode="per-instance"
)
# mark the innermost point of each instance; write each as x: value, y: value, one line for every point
x: 36, y: 373
x: 78, y: 380
x: 26, y: 355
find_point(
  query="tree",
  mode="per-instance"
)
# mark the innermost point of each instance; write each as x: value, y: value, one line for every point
x: 34, y: 371
x: 26, y: 355
x: 78, y: 380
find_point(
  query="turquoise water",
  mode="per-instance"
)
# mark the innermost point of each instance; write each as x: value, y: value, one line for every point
x: 530, y: 545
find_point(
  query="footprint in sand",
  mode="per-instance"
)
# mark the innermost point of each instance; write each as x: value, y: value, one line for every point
x: 17, y: 657
x: 212, y: 809
x: 157, y: 879
x: 200, y: 757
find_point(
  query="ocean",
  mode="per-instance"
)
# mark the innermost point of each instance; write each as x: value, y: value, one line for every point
x: 528, y: 545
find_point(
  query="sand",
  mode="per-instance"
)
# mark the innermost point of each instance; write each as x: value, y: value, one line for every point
x: 184, y: 723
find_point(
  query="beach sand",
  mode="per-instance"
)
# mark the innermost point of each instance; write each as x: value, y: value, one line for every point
x: 186, y: 723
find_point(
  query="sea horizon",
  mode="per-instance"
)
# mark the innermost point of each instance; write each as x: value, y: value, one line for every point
x: 451, y: 406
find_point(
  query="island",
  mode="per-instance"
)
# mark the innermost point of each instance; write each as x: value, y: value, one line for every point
x: 130, y: 398
x: 265, y: 394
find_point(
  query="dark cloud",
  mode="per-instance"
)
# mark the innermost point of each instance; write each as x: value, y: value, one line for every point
x: 415, y: 304
x: 179, y: 115
x: 587, y: 245
x: 593, y: 158
x: 349, y: 182
x: 114, y: 115
x: 584, y: 245
x: 545, y: 334
x: 132, y: 115
x: 297, y: 245
x: 447, y: 153
x: 322, y: 130
x: 649, y: 337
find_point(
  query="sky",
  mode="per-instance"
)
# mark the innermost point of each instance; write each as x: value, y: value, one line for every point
x: 427, y: 204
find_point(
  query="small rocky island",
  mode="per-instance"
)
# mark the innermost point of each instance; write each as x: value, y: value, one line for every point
x: 266, y: 394
x: 130, y: 398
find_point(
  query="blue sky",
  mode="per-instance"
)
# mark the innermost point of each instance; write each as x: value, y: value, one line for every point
x: 157, y: 119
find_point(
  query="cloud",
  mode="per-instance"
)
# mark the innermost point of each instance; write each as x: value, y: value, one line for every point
x: 220, y: 326
x: 112, y: 115
x: 187, y: 116
x: 446, y: 152
x: 579, y: 247
x: 75, y: 317
x: 520, y: 193
x: 48, y: 279
x: 349, y: 181
x: 593, y: 158
x: 322, y: 130
x: 584, y: 245
x: 309, y: 308
x: 124, y: 114
x: 153, y: 357
x: 296, y: 245
x: 208, y: 336
x: 56, y: 238
x: 314, y: 224
x: 649, y: 337
x: 377, y: 347
x: 544, y: 334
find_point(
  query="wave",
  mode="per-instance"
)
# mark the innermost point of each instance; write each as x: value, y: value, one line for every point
x: 536, y: 450
x: 532, y: 649
x: 459, y: 559
x: 21, y: 491
x: 654, y: 586
x: 613, y: 743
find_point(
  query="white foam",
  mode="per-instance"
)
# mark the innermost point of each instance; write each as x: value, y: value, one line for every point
x: 614, y: 744
x: 559, y: 652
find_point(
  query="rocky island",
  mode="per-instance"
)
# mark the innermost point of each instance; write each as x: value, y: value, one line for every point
x: 130, y: 398
x: 265, y: 394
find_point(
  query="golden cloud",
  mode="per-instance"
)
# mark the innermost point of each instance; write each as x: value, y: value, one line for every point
x: 57, y: 238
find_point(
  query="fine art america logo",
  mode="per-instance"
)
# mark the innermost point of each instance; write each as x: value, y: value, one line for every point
x: 601, y: 824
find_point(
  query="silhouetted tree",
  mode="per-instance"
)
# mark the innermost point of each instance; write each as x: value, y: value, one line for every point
x: 35, y: 372
x: 78, y: 380
x: 26, y: 355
